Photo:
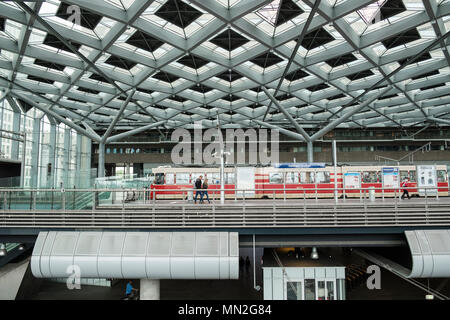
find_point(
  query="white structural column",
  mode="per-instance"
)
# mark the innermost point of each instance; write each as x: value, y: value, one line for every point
x: 51, y: 156
x: 15, y: 128
x: 310, y: 151
x: 66, y: 160
x: 101, y: 160
x: 150, y: 289
x: 36, y: 135
x: 78, y: 168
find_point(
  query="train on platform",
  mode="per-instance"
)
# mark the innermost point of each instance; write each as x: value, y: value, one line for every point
x: 300, y: 180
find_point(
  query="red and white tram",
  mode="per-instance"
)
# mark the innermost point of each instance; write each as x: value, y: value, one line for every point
x: 294, y: 181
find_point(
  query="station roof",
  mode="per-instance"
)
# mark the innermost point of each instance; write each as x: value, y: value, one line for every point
x: 279, y: 63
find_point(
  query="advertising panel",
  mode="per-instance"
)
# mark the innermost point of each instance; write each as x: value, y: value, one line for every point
x: 426, y: 178
x: 391, y: 178
x: 352, y: 180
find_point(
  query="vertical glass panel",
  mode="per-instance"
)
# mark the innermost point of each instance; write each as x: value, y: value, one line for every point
x: 320, y: 290
x: 170, y: 178
x: 229, y: 178
x: 159, y: 178
x: 322, y: 177
x: 214, y: 178
x: 403, y: 174
x: 294, y: 290
x: 412, y: 176
x: 304, y: 178
x: 310, y: 289
x: 441, y: 176
x: 330, y: 290
x: 291, y: 177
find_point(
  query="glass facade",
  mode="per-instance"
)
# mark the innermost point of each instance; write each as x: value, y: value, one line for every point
x: 55, y: 154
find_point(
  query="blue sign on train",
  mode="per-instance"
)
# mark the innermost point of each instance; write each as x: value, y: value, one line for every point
x: 300, y: 165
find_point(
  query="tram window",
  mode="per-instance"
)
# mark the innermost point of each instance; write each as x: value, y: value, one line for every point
x: 170, y: 178
x: 229, y: 178
x: 310, y: 289
x: 291, y: 177
x: 306, y: 177
x: 182, y: 178
x: 412, y: 176
x: 320, y: 290
x: 276, y: 177
x: 322, y: 177
x: 293, y: 290
x: 159, y: 178
x: 214, y: 178
x: 403, y: 175
x: 369, y: 176
x: 330, y: 290
x: 441, y: 176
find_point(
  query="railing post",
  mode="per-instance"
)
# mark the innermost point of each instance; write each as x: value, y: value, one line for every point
x: 315, y: 189
x: 34, y: 200
x: 63, y: 199
x: 426, y: 201
x: 243, y: 202
x: 382, y: 191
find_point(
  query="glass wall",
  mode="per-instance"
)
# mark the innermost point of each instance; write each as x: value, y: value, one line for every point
x: 55, y: 155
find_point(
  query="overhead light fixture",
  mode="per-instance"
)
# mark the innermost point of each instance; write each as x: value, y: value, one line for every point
x: 2, y: 250
x: 314, y: 254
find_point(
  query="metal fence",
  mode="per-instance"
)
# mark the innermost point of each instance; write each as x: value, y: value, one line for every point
x: 107, y: 208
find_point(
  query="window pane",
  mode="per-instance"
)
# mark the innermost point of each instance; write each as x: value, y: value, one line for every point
x: 229, y: 178
x: 291, y: 177
x: 276, y: 177
x: 182, y: 178
x: 310, y: 289
x: 321, y: 290
x: 412, y: 176
x: 214, y: 178
x: 170, y: 178
x: 441, y: 176
x: 159, y: 178
x: 403, y: 175
x: 294, y: 290
x: 369, y: 177
x: 330, y: 290
x: 322, y: 177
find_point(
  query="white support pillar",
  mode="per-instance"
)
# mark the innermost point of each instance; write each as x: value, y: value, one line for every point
x: 150, y: 289
x: 335, y: 170
x: 78, y: 168
x: 52, y: 157
x: 101, y: 160
x: 310, y: 151
x: 15, y: 128
x: 66, y: 159
x: 36, y: 135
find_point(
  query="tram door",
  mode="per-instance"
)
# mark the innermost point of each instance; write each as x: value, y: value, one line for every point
x: 245, y: 180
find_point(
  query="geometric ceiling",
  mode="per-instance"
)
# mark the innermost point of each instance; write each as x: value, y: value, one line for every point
x: 187, y: 61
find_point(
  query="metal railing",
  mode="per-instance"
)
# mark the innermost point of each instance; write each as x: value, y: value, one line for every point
x: 109, y: 209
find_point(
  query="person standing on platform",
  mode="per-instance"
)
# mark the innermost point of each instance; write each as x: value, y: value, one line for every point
x: 404, y: 186
x: 205, y: 192
x: 198, y: 186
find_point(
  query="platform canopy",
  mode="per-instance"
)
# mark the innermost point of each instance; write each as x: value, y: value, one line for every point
x: 125, y: 64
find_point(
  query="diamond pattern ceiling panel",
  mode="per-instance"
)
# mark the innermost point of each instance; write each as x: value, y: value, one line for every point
x: 193, y: 60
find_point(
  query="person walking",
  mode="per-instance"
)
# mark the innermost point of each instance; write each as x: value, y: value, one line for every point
x: 404, y: 186
x: 198, y: 186
x: 205, y: 191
